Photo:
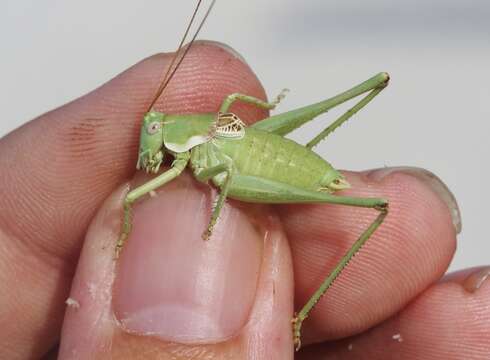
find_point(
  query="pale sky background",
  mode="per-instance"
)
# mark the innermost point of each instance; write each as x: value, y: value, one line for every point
x: 435, y: 113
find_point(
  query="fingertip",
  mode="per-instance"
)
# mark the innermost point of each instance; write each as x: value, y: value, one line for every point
x: 430, y: 181
x: 172, y: 293
x: 444, y: 322
x: 175, y: 286
x: 210, y: 72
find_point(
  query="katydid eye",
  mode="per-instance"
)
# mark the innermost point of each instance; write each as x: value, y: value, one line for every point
x: 153, y: 127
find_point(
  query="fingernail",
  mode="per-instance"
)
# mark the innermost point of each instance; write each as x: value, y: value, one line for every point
x: 429, y: 179
x: 476, y: 278
x: 225, y: 47
x: 172, y: 284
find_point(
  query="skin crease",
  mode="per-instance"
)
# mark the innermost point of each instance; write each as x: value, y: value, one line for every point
x: 391, y: 287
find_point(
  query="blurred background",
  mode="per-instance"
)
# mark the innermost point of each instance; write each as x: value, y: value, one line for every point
x: 435, y: 113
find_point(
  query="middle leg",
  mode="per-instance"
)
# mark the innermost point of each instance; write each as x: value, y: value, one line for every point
x: 205, y: 175
x: 230, y: 99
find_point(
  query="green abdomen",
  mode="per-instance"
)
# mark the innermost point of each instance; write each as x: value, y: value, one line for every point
x: 274, y: 157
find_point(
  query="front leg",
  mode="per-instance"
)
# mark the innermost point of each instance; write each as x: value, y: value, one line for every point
x: 178, y: 166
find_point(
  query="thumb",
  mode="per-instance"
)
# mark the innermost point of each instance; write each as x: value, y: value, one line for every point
x: 173, y: 295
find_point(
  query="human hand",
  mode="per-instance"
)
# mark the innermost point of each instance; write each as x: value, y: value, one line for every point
x: 171, y: 295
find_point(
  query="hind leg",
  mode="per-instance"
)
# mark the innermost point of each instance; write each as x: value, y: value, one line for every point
x: 284, y: 123
x: 254, y: 189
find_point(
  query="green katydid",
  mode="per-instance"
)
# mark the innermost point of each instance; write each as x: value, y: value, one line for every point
x: 255, y: 164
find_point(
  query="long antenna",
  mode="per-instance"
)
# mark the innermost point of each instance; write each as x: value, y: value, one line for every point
x: 160, y: 88
x: 170, y: 73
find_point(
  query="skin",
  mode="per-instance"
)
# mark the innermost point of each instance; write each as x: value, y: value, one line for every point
x: 91, y: 143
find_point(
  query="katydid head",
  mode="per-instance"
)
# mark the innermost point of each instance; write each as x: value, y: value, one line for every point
x: 151, y: 150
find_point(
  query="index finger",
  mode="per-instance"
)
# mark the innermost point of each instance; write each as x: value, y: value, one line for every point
x: 58, y: 169
x: 69, y: 159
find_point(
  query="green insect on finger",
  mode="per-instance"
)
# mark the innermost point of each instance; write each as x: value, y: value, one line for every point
x: 254, y: 164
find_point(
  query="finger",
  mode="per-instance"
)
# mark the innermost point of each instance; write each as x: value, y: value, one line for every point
x: 172, y: 295
x: 58, y: 168
x: 408, y: 252
x: 450, y: 320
